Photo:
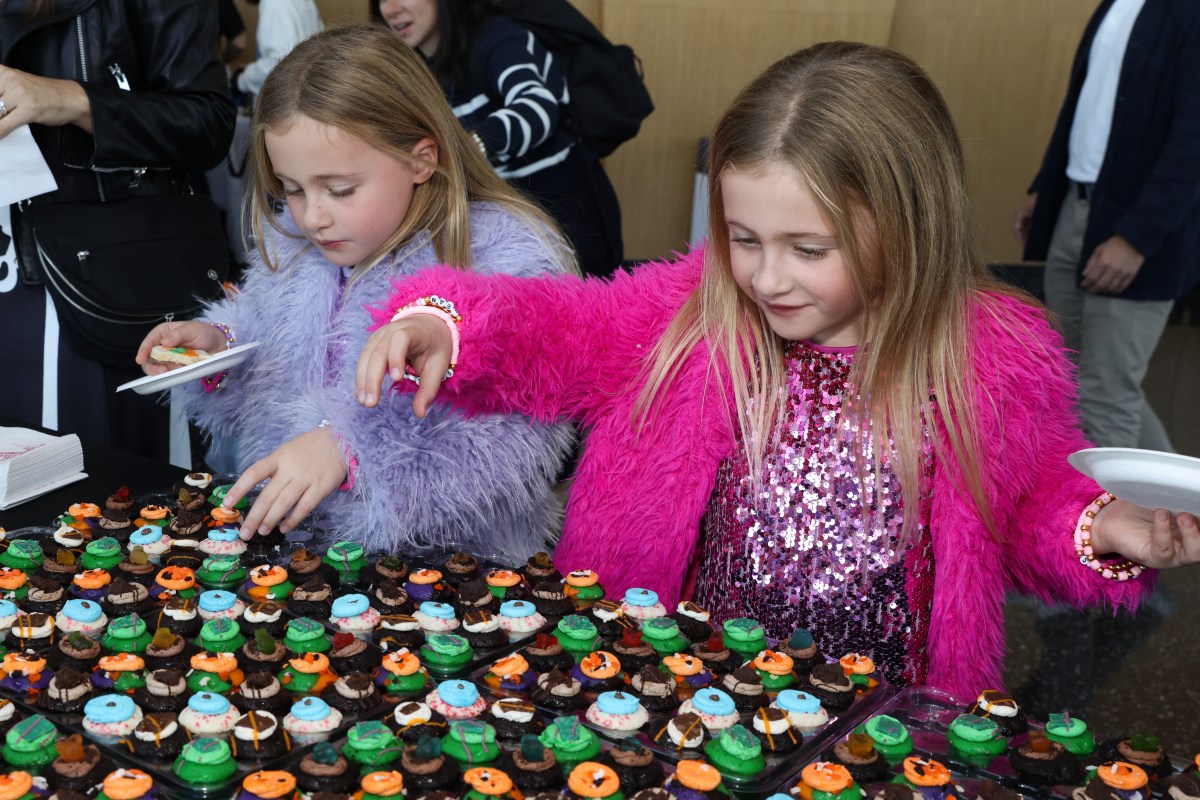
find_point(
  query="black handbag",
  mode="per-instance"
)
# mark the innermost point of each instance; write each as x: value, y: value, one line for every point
x: 117, y: 269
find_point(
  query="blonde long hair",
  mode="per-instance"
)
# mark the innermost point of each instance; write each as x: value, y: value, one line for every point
x: 363, y: 80
x: 874, y: 141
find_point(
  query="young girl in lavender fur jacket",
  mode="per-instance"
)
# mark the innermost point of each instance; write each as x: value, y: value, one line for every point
x: 831, y: 412
x: 380, y: 180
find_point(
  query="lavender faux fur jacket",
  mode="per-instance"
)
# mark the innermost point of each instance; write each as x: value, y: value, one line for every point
x: 483, y: 483
x: 565, y: 348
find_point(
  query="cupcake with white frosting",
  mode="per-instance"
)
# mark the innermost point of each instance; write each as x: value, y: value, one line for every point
x: 208, y: 715
x: 258, y: 736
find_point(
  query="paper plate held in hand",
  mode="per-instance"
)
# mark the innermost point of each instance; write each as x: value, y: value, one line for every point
x: 209, y: 366
x: 1145, y: 477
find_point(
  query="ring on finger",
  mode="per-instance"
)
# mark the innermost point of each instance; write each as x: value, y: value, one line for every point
x: 4, y: 109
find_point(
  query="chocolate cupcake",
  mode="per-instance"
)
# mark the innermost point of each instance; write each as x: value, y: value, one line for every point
x: 258, y: 736
x: 396, y: 631
x: 68, y: 692
x: 389, y: 597
x: 551, y: 600
x: 482, y: 630
x: 305, y: 565
x: 540, y: 567
x: 745, y: 686
x: 264, y: 615
x: 803, y: 651
x: 8, y: 715
x: 352, y: 694
x: 263, y: 653
x: 165, y: 691
x: 60, y: 566
x: 78, y: 651
x: 45, y: 596
x: 425, y: 769
x: 546, y: 654
x: 167, y: 650
x: 415, y: 719
x: 634, y: 764
x: 313, y: 599
x: 681, y: 734
x: 474, y: 595
x: 1002, y: 710
x: 1141, y: 750
x: 829, y: 684
x: 513, y: 718
x: 610, y: 619
x: 261, y: 691
x: 79, y: 766
x: 30, y: 631
x: 558, y: 691
x: 633, y: 651
x: 717, y: 658
x: 183, y: 553
x: 181, y: 616
x: 460, y: 567
x: 533, y: 767
x: 351, y: 654
x: 774, y: 729
x: 655, y: 689
x: 159, y: 736
x: 388, y: 568
x: 1043, y: 762
x: 137, y: 568
x: 858, y: 755
x: 693, y: 623
x: 323, y: 770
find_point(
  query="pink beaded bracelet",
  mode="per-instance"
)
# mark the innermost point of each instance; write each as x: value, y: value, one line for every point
x: 1113, y: 570
x: 445, y: 311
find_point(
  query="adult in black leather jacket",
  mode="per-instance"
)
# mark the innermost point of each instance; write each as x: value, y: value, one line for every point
x: 124, y: 98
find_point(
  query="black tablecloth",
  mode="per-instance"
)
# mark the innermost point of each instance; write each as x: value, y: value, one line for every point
x: 107, y: 470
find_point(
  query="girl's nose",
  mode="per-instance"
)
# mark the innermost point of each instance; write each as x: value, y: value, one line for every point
x: 770, y: 277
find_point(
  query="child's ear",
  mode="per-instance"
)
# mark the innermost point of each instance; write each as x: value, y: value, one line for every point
x: 425, y: 156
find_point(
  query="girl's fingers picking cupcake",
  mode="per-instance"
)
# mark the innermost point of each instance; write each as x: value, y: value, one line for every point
x: 422, y: 340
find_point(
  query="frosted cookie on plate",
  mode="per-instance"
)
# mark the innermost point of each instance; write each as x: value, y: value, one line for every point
x: 177, y: 355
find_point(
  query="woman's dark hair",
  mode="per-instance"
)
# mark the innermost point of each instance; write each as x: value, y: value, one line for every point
x: 458, y: 22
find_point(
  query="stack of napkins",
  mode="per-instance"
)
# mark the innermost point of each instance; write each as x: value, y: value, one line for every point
x: 33, y: 463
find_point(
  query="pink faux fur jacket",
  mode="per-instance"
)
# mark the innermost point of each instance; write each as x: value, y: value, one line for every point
x: 560, y: 347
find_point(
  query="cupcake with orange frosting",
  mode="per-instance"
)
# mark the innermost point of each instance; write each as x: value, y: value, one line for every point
x: 697, y: 780
x: 158, y: 516
x: 826, y: 781
x: 25, y: 674
x: 14, y: 585
x: 127, y: 784
x: 584, y: 586
x: 504, y: 584
x: 593, y: 780
x: 775, y: 669
x: 82, y: 516
x: 688, y: 672
x: 268, y: 785
x: 599, y: 671
x: 123, y: 672
x: 401, y: 673
x: 90, y: 584
x: 511, y: 673
x: 490, y: 783
x: 214, y: 672
x: 269, y: 582
x: 174, y: 581
x: 928, y: 779
x: 222, y: 517
x: 381, y: 786
x: 860, y: 669
x: 307, y: 673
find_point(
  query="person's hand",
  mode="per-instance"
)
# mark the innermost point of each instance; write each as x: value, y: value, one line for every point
x: 302, y: 473
x: 1022, y: 218
x: 422, y: 340
x: 193, y: 335
x: 1155, y: 538
x: 45, y: 101
x: 1112, y: 267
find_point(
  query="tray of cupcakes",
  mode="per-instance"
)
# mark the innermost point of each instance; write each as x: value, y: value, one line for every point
x: 922, y: 740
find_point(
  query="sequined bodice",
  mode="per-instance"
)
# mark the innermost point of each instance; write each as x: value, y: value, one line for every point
x: 801, y: 553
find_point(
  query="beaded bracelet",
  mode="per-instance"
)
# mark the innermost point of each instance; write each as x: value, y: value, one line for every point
x: 213, y: 382
x: 1117, y: 571
x: 230, y: 339
x: 444, y: 310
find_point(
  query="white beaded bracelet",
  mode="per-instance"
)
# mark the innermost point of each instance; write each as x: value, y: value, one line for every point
x: 1117, y: 571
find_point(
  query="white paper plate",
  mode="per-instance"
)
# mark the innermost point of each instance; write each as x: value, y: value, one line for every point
x: 209, y: 366
x: 1145, y: 477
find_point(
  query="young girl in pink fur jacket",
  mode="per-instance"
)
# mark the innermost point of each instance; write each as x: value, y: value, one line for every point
x: 830, y: 413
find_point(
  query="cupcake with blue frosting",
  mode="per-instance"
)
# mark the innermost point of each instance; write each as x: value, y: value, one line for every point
x: 457, y: 699
x: 802, y: 708
x: 618, y: 712
x: 311, y: 720
x: 153, y: 541
x: 520, y: 618
x: 82, y: 616
x: 220, y: 604
x: 222, y: 542
x: 642, y: 604
x: 436, y: 617
x: 715, y: 708
x: 352, y: 613
x: 209, y: 715
x: 111, y: 716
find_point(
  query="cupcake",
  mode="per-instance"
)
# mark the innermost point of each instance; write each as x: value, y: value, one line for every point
x: 78, y: 767
x: 617, y: 713
x: 1142, y: 751
x: 642, y: 605
x: 268, y: 785
x: 663, y: 635
x: 181, y: 616
x: 825, y: 781
x: 737, y: 751
x: 25, y: 674
x: 348, y: 560
x: 457, y: 699
x: 349, y: 654
x: 78, y: 652
x: 137, y: 568
x: 352, y: 694
x: 858, y: 755
x: 221, y: 572
x: 8, y: 715
x: 125, y: 598
x: 446, y: 652
x: 389, y: 597
x: 504, y: 584
x: 520, y: 618
x: 1114, y: 780
x: 28, y: 745
x: 90, y: 584
x: 802, y: 649
x: 173, y: 581
x: 22, y: 554
x: 425, y: 769
x: 216, y: 497
x: 352, y: 613
x: 116, y: 517
x: 166, y: 650
x: 61, y: 568
x: 44, y: 596
x: 482, y: 630
x: 208, y: 714
x: 514, y: 718
x: 158, y: 736
x: 599, y: 672
x: 219, y: 604
x: 111, y: 716
x: 697, y: 780
x: 152, y: 540
x: 258, y: 736
x: 693, y: 621
x: 1072, y: 733
x: 67, y: 692
x: 30, y: 632
x: 191, y: 513
x: 609, y: 618
x: 313, y: 599
x: 570, y: 742
x: 715, y: 707
x: 371, y: 746
x: 123, y: 673
x: 304, y: 635
x: 310, y: 720
x: 204, y: 762
x: 460, y: 567
x: 655, y: 690
x: 746, y: 688
x: 415, y: 721
x: 104, y: 553
x: 510, y: 674
x: 577, y: 634
x: 307, y: 672
x: 745, y: 637
x: 225, y: 518
x: 434, y: 617
x: 165, y: 691
x: 472, y: 741
x: 547, y: 655
x: 217, y: 673
x: 400, y: 674
x: 323, y: 770
x: 775, y: 730
x: 634, y: 764
x: 261, y: 691
x: 221, y: 635
x: 687, y: 672
x: 8, y: 615
x: 551, y: 599
x: 381, y: 785
x: 975, y: 738
x: 583, y: 585
x: 183, y: 554
x: 269, y: 582
x: 472, y: 595
x: 890, y: 736
x: 14, y: 586
x: 65, y: 537
x: 558, y: 691
x: 1001, y: 709
x: 222, y: 542
x: 829, y: 684
x: 633, y: 651
x: 1041, y: 761
x: 716, y: 656
x: 263, y: 615
x: 540, y: 567
x: 127, y: 784
x: 928, y: 779
x: 388, y: 568
x: 1186, y: 785
x: 488, y: 783
x: 397, y: 631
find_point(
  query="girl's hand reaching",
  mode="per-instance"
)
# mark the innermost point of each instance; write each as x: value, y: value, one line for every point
x: 302, y: 473
x: 1155, y: 538
x: 422, y: 340
x: 194, y: 335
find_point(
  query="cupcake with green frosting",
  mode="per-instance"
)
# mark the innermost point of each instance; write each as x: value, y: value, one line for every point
x: 975, y: 738
x: 662, y: 633
x: 736, y: 751
x: 446, y: 652
x: 348, y: 560
x: 221, y: 572
x: 23, y: 554
x: 29, y: 745
x: 471, y: 741
x: 304, y: 635
x: 102, y: 554
x: 890, y: 736
x: 371, y: 745
x: 570, y: 742
x: 745, y: 637
x: 205, y: 762
x: 126, y: 635
x: 1072, y: 733
x: 577, y: 634
x: 221, y: 636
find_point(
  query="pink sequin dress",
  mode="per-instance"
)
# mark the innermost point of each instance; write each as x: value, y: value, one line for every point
x: 801, y: 554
